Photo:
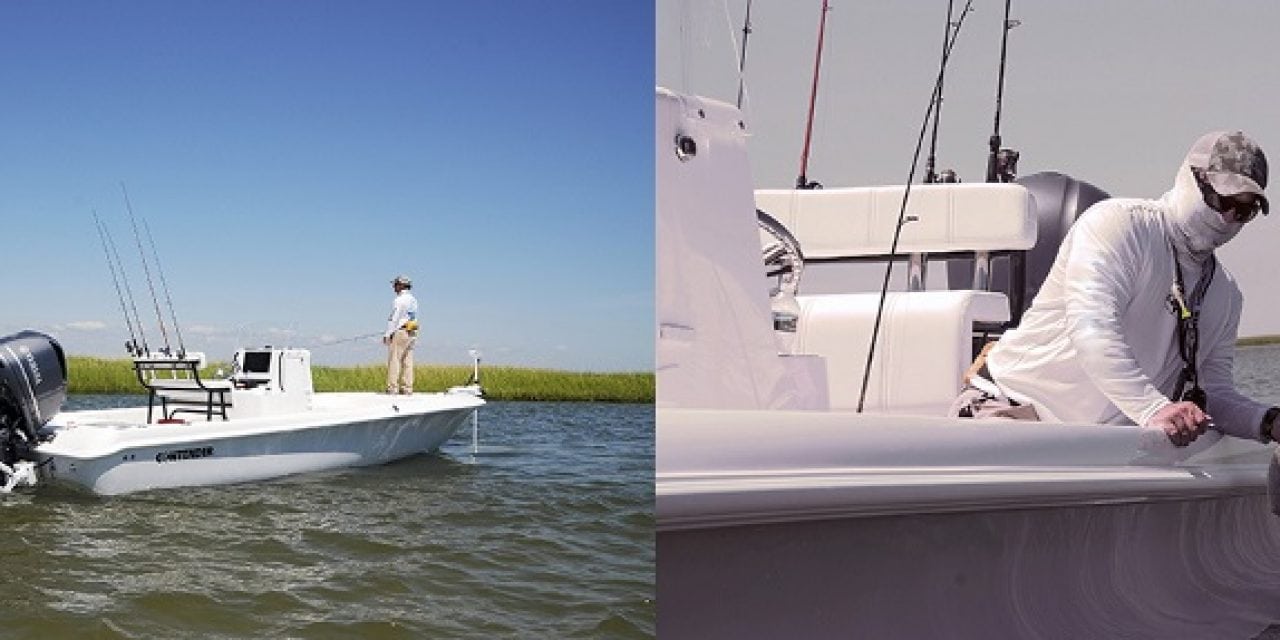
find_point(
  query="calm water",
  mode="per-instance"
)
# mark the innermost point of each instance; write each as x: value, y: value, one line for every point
x: 1258, y: 373
x: 548, y: 533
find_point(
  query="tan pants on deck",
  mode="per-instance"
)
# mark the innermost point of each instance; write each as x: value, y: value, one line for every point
x: 976, y: 403
x: 400, y: 362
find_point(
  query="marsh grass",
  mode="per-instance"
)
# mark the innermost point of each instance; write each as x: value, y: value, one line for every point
x: 100, y: 375
x: 1257, y: 340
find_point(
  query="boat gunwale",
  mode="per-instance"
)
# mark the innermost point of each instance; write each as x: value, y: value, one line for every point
x: 719, y: 468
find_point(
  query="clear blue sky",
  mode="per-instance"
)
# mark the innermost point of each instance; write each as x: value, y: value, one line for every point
x: 1109, y: 92
x: 291, y: 157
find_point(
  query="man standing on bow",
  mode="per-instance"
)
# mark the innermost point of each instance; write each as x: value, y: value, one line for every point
x: 1136, y: 322
x: 400, y: 337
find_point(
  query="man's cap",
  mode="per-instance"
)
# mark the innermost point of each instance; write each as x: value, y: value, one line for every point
x: 1231, y: 162
x: 404, y: 280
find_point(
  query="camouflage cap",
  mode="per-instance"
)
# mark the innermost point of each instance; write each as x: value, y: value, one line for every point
x: 1231, y: 162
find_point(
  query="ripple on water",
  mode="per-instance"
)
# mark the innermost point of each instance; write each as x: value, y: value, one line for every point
x: 553, y: 540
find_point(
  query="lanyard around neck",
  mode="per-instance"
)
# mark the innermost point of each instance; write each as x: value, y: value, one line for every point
x: 1187, y: 311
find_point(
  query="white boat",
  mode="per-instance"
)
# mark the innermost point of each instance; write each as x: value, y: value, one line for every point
x: 783, y: 511
x: 263, y: 421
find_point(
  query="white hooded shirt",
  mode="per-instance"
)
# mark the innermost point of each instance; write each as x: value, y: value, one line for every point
x: 1100, y: 342
x: 403, y: 309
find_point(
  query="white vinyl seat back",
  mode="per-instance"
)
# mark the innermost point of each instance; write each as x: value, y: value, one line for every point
x: 860, y: 222
x: 923, y: 350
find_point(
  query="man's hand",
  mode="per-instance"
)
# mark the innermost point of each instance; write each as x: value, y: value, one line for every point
x: 1183, y: 422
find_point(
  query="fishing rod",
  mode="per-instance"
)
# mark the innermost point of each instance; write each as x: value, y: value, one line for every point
x: 145, y: 269
x: 124, y: 276
x: 803, y: 182
x: 903, y: 219
x: 742, y: 60
x: 132, y: 345
x: 164, y: 285
x: 998, y: 163
x: 351, y: 339
x: 930, y: 163
x: 320, y: 343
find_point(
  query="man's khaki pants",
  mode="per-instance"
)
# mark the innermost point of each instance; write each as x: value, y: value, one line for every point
x: 400, y: 362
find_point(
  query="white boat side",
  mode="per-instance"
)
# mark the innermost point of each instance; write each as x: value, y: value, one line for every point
x: 115, y: 451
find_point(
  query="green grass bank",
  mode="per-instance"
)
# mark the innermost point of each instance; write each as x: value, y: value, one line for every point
x: 1257, y: 340
x: 102, y: 375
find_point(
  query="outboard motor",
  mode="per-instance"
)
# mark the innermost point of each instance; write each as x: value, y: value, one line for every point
x: 1060, y: 199
x: 33, y: 386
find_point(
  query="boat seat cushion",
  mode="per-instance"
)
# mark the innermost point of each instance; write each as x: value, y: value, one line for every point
x: 190, y: 395
x: 859, y: 222
x: 925, y: 345
x: 182, y: 384
x: 186, y: 389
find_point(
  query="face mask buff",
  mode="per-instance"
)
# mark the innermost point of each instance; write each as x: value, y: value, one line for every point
x: 1198, y: 229
x: 1207, y: 230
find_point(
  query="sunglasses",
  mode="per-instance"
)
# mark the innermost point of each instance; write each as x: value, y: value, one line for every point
x: 1241, y: 207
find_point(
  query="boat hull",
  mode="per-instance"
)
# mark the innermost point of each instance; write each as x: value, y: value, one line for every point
x: 109, y: 456
x: 1204, y: 568
x: 823, y: 524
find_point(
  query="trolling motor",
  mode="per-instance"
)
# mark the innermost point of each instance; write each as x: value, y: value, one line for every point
x: 472, y: 386
x: 33, y: 386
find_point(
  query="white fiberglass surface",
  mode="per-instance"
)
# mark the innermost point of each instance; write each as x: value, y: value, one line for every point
x: 797, y: 439
x: 739, y: 467
x: 99, y: 432
x: 1162, y: 569
x: 349, y: 401
x: 321, y: 403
